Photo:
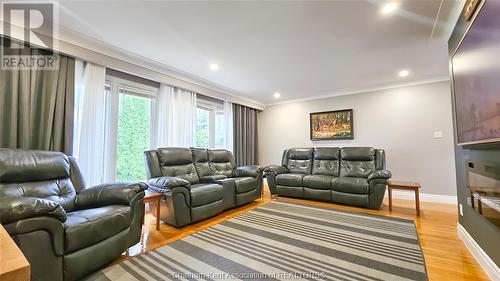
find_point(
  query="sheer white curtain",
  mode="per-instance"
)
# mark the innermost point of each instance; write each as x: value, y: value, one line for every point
x: 228, y: 125
x: 90, y: 112
x: 161, y: 118
x: 175, y: 118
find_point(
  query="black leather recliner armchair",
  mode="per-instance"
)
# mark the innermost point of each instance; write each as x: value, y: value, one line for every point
x: 199, y: 183
x: 64, y: 229
x: 350, y: 175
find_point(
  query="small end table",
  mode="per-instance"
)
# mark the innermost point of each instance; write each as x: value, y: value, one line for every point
x: 404, y: 185
x: 150, y: 197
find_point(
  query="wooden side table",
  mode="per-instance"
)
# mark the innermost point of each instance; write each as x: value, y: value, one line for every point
x: 404, y: 185
x: 150, y: 197
x: 13, y: 264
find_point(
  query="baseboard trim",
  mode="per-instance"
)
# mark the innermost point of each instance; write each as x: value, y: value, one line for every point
x: 491, y: 269
x: 425, y: 197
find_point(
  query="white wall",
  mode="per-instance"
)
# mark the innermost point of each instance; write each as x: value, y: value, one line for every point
x: 402, y: 121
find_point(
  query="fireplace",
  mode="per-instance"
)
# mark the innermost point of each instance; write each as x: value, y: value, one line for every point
x: 484, y: 188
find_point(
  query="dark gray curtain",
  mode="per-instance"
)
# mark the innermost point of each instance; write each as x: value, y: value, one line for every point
x: 36, y: 106
x: 246, y: 147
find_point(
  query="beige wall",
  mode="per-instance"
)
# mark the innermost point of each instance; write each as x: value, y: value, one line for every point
x: 402, y: 121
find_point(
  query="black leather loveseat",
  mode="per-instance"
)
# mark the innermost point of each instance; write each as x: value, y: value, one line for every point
x: 199, y: 183
x: 64, y: 229
x: 350, y: 175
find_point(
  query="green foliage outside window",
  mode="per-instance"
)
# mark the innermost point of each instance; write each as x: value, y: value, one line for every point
x: 134, y: 130
x: 202, y: 129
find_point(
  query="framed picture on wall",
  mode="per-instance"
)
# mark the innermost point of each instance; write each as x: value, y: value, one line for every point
x: 332, y: 125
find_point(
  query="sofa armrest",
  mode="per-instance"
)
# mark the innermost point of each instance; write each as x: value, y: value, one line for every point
x: 49, y: 224
x: 18, y: 208
x: 275, y: 169
x: 377, y: 193
x: 122, y: 193
x: 168, y: 183
x: 380, y: 174
x: 248, y: 171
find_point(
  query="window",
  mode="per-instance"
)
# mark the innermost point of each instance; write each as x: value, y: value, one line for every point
x: 219, y: 129
x: 130, y: 107
x: 133, y: 136
x: 209, y: 124
x: 202, y: 127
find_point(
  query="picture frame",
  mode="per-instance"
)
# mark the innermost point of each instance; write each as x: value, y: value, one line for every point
x: 332, y: 125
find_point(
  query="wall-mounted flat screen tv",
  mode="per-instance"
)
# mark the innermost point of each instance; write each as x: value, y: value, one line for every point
x: 476, y: 78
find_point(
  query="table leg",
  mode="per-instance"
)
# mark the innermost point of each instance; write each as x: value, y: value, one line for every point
x: 144, y: 217
x: 390, y: 198
x: 158, y: 214
x: 417, y: 201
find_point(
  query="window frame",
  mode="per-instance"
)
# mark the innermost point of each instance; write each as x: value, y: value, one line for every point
x: 116, y: 87
x: 213, y: 109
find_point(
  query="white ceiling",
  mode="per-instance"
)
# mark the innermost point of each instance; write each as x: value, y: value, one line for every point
x: 301, y: 48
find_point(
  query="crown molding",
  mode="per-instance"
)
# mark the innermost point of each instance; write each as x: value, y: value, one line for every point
x: 454, y: 16
x: 364, y: 90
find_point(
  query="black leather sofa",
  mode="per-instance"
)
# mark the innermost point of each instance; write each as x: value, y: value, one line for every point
x: 351, y: 175
x: 64, y: 229
x: 199, y: 183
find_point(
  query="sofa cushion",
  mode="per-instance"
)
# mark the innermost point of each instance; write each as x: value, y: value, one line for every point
x: 200, y: 159
x: 357, y: 153
x: 357, y: 162
x: 350, y: 185
x: 318, y: 181
x: 290, y: 179
x: 379, y: 159
x: 299, y: 160
x: 326, y: 161
x: 246, y: 184
x: 60, y: 191
x: 221, y: 162
x: 202, y: 194
x: 356, y: 169
x: 18, y: 165
x: 87, y: 227
x: 177, y: 162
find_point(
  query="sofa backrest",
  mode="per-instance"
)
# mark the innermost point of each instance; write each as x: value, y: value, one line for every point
x: 176, y: 162
x: 326, y: 161
x: 334, y: 161
x: 299, y: 160
x: 200, y: 159
x: 221, y: 162
x: 189, y: 163
x: 358, y: 162
x: 284, y: 158
x: 40, y: 174
x: 379, y: 159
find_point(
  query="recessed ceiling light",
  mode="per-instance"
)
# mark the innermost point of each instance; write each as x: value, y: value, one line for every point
x: 214, y: 66
x: 403, y: 73
x: 277, y: 95
x: 389, y: 8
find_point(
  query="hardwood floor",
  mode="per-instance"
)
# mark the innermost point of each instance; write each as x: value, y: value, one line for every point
x: 445, y: 254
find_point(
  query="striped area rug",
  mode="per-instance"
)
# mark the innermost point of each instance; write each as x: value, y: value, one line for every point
x: 285, y: 241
